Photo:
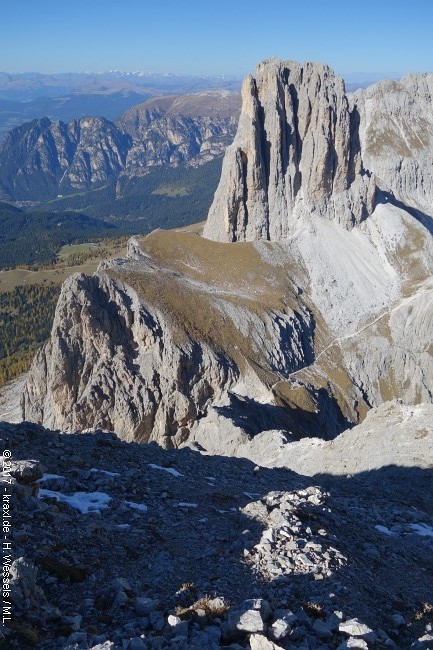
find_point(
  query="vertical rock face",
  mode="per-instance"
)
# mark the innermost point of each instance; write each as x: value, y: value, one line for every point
x: 296, y: 151
x: 396, y: 134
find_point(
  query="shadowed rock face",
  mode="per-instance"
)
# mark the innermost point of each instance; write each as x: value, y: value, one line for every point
x: 296, y: 151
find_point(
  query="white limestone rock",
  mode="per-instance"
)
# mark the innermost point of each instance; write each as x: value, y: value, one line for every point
x: 296, y: 151
x: 112, y: 363
x: 396, y: 136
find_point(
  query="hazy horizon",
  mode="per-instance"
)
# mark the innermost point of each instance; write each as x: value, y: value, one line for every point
x: 349, y: 77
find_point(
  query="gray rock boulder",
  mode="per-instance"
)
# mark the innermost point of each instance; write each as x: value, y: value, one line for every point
x: 260, y: 642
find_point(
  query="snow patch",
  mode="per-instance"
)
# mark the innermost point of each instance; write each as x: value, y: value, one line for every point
x: 84, y: 502
x: 136, y: 506
x: 169, y: 470
x: 422, y: 529
x: 103, y: 471
x: 385, y: 531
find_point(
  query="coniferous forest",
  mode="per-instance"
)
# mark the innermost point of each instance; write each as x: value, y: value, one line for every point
x: 26, y: 315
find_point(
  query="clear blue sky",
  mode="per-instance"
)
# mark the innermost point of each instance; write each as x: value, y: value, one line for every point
x: 210, y: 37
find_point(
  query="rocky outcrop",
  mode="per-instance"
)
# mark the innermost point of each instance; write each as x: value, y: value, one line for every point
x: 43, y: 158
x: 188, y: 338
x: 125, y: 356
x: 303, y: 146
x: 296, y: 151
x: 114, y: 363
x: 396, y: 134
x: 180, y: 128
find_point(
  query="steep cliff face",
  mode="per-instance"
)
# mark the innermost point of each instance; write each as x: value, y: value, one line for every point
x: 43, y: 158
x: 115, y: 364
x: 305, y: 147
x: 396, y: 133
x: 296, y: 151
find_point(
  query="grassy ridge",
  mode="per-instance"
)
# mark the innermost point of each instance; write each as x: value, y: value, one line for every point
x: 59, y: 238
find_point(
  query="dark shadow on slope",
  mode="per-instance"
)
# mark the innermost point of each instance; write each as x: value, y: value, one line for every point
x: 325, y: 420
x: 252, y: 416
x: 172, y: 544
x: 423, y: 218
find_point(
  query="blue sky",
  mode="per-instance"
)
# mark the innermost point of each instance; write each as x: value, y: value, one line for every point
x: 209, y: 37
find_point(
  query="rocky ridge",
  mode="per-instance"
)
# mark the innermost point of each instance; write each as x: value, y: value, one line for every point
x: 310, y: 353
x: 148, y: 363
x: 274, y: 351
x: 43, y: 158
x: 124, y: 546
x: 302, y: 335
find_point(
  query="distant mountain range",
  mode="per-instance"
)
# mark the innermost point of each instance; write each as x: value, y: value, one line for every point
x: 26, y: 86
x: 29, y: 96
x: 93, y: 177
x: 41, y: 160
